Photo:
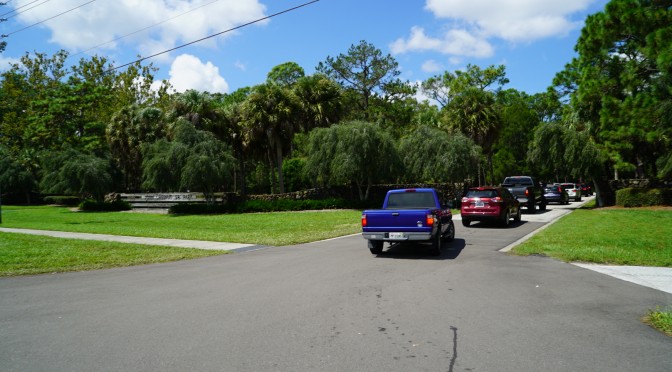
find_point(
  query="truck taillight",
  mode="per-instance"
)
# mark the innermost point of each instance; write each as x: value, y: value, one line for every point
x: 527, y: 192
x: 363, y: 220
x: 430, y: 220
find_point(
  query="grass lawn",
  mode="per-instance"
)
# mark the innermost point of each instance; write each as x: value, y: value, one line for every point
x: 29, y: 254
x: 613, y: 236
x: 275, y: 229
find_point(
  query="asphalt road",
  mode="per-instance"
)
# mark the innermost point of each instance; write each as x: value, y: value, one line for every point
x: 332, y: 306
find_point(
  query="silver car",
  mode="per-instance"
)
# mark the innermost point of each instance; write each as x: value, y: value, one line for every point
x: 573, y: 190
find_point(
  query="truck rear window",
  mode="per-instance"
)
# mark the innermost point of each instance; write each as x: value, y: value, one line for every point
x: 411, y: 200
x: 518, y: 181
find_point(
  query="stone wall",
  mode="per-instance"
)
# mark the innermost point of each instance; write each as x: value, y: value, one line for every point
x: 643, y: 183
x: 376, y: 195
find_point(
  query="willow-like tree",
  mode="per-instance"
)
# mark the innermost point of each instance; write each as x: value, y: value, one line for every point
x: 429, y: 154
x: 358, y: 153
x: 194, y: 160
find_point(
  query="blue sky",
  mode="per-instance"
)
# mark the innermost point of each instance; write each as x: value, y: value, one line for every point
x: 534, y: 39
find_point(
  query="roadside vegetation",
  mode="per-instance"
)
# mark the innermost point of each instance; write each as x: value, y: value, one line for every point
x: 660, y: 319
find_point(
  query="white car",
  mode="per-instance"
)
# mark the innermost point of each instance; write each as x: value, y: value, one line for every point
x: 573, y: 190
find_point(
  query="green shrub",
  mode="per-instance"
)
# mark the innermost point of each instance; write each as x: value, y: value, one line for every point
x: 291, y: 205
x: 94, y: 206
x: 632, y: 197
x: 65, y: 200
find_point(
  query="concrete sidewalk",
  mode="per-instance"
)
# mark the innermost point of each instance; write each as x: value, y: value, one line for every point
x: 199, y: 244
x: 659, y: 278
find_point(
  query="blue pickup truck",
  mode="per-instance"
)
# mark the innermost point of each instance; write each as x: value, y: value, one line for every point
x: 409, y: 215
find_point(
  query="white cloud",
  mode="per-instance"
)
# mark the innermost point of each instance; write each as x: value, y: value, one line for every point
x: 455, y: 42
x: 240, y: 65
x: 431, y: 66
x: 6, y: 63
x: 188, y: 72
x: 102, y: 21
x: 471, y: 26
x: 512, y: 20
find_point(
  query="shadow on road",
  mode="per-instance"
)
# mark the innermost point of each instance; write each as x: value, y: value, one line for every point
x: 494, y: 225
x: 537, y: 211
x: 420, y: 251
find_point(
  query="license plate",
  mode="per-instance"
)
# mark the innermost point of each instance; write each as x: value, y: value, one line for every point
x: 397, y: 235
x: 479, y: 204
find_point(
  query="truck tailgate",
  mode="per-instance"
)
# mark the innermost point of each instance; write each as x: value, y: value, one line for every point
x: 396, y: 220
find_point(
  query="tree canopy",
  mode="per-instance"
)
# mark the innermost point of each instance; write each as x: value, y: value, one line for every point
x: 620, y: 82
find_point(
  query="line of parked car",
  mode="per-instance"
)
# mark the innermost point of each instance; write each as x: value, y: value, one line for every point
x: 495, y: 203
x: 561, y: 193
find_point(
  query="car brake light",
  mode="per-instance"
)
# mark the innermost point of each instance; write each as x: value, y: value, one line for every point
x: 527, y: 192
x: 496, y: 200
x: 363, y: 220
x: 430, y: 220
x: 465, y: 200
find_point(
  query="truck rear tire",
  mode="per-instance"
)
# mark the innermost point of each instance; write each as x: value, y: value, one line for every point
x: 450, y: 235
x: 532, y: 207
x: 376, y: 246
x: 436, y: 244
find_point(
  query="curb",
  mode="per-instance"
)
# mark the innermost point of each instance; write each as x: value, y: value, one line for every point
x: 533, y: 233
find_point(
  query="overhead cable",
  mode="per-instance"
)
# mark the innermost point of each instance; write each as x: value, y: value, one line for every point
x: 143, y: 29
x: 50, y: 18
x: 23, y: 6
x: 213, y: 35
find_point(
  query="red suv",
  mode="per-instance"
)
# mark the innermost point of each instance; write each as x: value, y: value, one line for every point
x: 489, y: 203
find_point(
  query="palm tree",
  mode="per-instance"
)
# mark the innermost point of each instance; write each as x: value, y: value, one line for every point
x: 474, y: 112
x: 196, y: 107
x: 271, y: 113
x: 128, y: 130
x: 320, y: 100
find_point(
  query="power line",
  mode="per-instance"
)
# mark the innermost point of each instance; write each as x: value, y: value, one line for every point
x: 143, y: 29
x: 213, y: 35
x: 50, y: 18
x: 23, y: 6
